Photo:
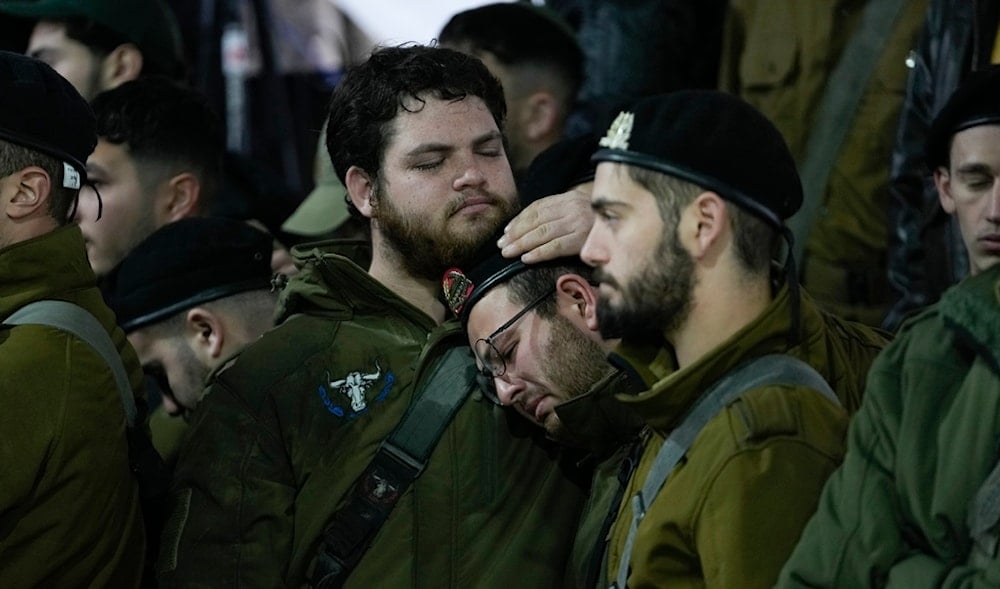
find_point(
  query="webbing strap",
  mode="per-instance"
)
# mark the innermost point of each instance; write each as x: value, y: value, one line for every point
x: 767, y: 370
x: 844, y: 88
x: 398, y: 462
x: 78, y: 321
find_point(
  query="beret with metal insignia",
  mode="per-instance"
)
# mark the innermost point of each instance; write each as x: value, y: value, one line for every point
x: 714, y: 140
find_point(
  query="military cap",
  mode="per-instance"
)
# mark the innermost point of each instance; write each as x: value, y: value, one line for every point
x: 976, y: 102
x: 149, y: 24
x: 184, y: 264
x: 40, y: 110
x: 714, y: 140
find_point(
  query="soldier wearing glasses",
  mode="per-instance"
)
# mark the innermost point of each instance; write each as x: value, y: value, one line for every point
x: 534, y: 332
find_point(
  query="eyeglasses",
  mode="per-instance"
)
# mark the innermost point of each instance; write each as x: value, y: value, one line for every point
x: 489, y: 356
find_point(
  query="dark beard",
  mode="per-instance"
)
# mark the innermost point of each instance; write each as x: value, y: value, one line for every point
x: 576, y: 364
x: 425, y: 254
x: 657, y: 301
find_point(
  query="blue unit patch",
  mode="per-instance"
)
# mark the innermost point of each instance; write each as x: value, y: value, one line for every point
x: 346, y: 397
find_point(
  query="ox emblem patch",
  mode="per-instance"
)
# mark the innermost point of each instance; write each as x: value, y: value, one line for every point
x: 347, y: 396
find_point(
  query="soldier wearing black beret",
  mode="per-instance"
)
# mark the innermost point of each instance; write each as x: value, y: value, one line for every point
x: 69, y: 504
x: 191, y: 296
x: 691, y: 194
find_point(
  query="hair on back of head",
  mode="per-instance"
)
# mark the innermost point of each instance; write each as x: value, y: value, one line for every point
x: 534, y: 281
x: 163, y: 122
x: 519, y: 34
x: 755, y: 242
x: 102, y: 40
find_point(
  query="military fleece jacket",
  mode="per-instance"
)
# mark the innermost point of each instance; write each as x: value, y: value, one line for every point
x: 895, y: 514
x: 69, y: 505
x: 286, y: 429
x: 732, y: 509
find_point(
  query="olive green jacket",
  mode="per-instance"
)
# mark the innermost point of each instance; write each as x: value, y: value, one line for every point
x: 732, y: 509
x: 895, y: 514
x: 609, y: 430
x: 277, y: 442
x: 777, y: 55
x: 69, y: 506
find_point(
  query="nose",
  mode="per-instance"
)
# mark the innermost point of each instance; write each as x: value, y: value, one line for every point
x: 993, y: 212
x: 86, y: 205
x: 508, y: 390
x: 471, y: 176
x: 593, y: 252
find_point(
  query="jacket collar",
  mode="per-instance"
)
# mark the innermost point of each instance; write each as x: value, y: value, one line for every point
x: 972, y: 309
x: 597, y: 420
x: 330, y: 282
x: 674, y: 392
x: 43, y: 267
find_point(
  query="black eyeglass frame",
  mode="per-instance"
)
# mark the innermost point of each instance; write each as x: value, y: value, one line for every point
x: 491, y: 371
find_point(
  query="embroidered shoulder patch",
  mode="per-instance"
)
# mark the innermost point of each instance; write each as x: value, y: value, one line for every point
x: 348, y: 396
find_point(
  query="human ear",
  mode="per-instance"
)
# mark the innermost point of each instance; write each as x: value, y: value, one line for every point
x: 30, y: 193
x: 360, y: 188
x: 577, y: 300
x: 205, y: 333
x: 123, y: 64
x: 942, y: 181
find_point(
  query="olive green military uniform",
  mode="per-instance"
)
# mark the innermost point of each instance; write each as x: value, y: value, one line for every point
x: 69, y: 505
x: 732, y: 509
x: 288, y: 426
x: 900, y: 511
x: 777, y: 55
x: 609, y: 430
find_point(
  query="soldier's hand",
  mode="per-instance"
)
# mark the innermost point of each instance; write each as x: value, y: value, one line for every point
x: 551, y: 227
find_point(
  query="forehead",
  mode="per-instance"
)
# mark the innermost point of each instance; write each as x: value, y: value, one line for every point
x: 976, y: 144
x: 47, y: 31
x: 613, y: 183
x: 110, y: 156
x: 448, y: 122
x: 490, y: 312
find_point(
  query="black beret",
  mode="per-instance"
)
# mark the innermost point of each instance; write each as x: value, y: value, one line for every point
x: 562, y: 166
x: 714, y: 140
x: 559, y: 168
x: 184, y: 264
x: 40, y: 110
x: 975, y: 102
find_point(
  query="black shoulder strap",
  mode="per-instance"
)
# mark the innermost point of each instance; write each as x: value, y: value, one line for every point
x: 398, y: 462
x: 762, y: 371
x: 78, y: 321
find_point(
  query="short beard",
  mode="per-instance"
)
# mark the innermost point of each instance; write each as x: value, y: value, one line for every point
x: 426, y: 254
x: 577, y: 364
x: 657, y: 301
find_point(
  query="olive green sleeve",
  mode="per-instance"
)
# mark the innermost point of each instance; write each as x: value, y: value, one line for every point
x: 755, y: 509
x: 855, y: 536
